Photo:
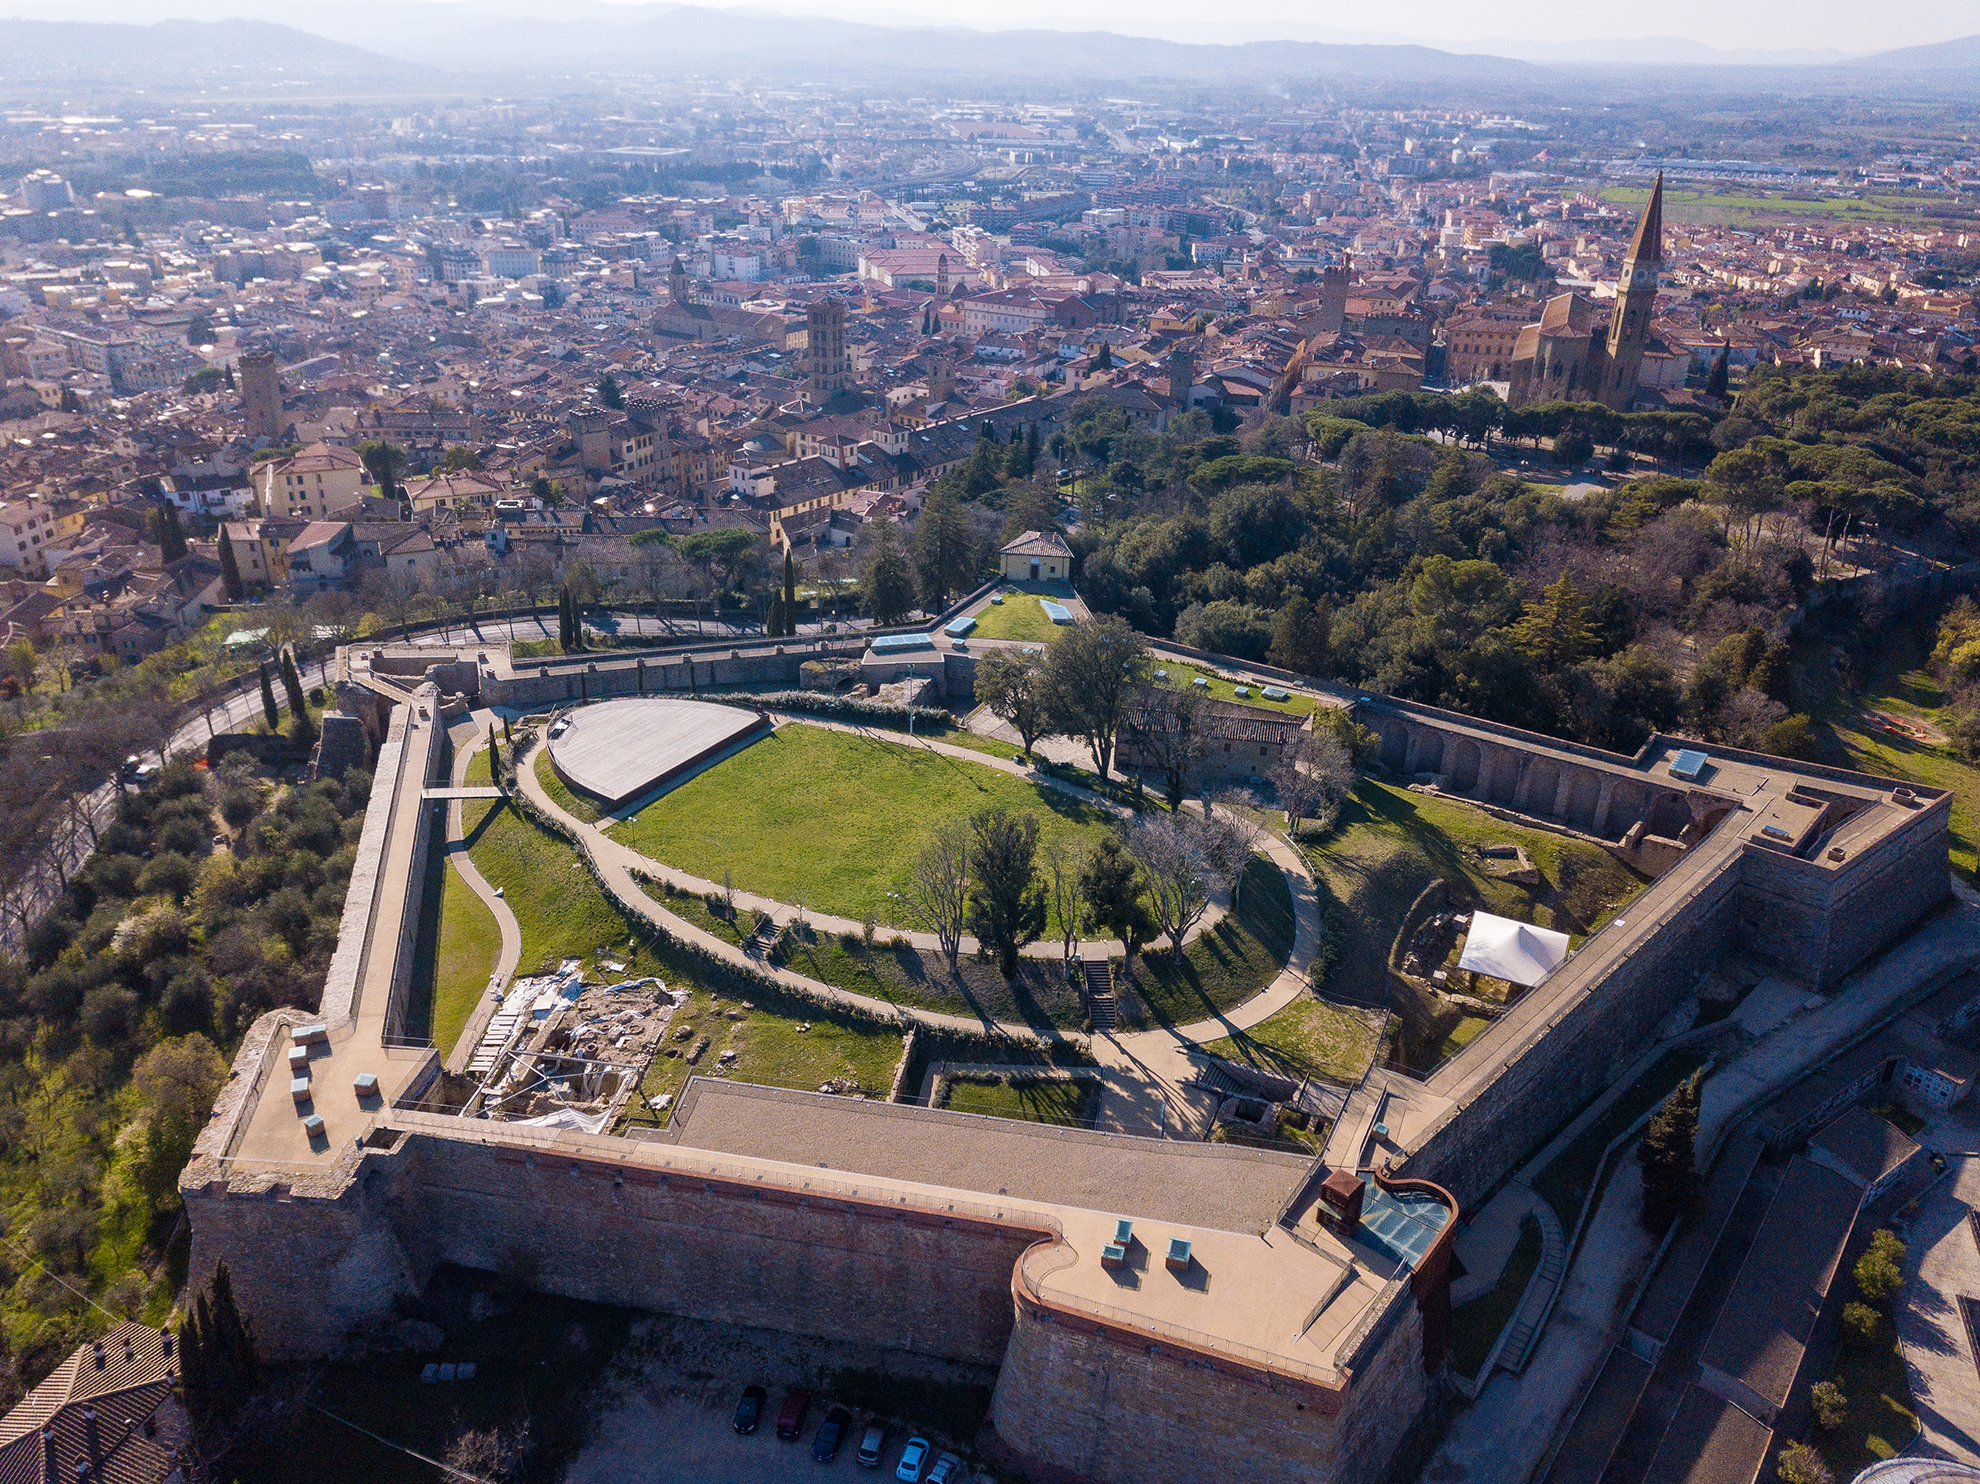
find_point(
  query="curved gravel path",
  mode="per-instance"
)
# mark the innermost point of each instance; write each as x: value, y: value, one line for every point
x: 458, y: 858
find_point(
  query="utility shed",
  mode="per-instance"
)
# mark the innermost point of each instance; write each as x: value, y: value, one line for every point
x: 1865, y: 1149
x: 1755, y: 1350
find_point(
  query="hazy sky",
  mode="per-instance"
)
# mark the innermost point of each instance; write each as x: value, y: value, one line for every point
x: 1844, y: 25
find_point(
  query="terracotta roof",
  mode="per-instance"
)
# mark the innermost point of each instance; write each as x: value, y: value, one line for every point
x: 1035, y: 543
x: 109, y: 1404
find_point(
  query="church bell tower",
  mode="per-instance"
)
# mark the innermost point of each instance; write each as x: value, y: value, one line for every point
x: 1636, y: 297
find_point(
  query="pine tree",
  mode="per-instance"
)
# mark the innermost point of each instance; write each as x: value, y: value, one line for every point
x: 269, y: 709
x: 1668, y: 1156
x: 230, y: 571
x: 1554, y: 632
x: 1300, y: 639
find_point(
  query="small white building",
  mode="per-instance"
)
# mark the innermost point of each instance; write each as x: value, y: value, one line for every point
x: 1037, y: 556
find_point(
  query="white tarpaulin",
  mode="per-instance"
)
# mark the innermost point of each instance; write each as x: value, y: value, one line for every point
x: 1500, y: 948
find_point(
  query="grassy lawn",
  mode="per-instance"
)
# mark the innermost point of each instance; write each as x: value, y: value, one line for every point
x: 563, y: 914
x: 470, y: 941
x: 1882, y: 1422
x: 1074, y: 1103
x: 771, y: 1049
x: 1569, y: 1179
x: 1475, y: 1327
x: 1468, y: 1029
x: 1308, y: 1038
x: 587, y: 809
x: 834, y: 821
x: 1228, y: 965
x: 1184, y: 677
x: 1019, y: 616
x: 1722, y: 206
x: 1390, y: 843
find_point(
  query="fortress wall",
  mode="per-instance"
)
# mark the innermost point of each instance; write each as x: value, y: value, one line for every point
x: 1074, y: 1399
x: 1544, y: 1086
x: 310, y: 1258
x: 1818, y: 923
x: 622, y: 1234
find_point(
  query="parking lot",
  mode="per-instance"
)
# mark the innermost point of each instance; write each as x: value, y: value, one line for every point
x: 665, y: 1437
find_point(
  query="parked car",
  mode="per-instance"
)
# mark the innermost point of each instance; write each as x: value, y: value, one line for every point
x: 825, y: 1447
x: 908, y: 1470
x: 790, y: 1421
x: 946, y: 1469
x: 871, y: 1447
x: 559, y: 727
x: 749, y: 1410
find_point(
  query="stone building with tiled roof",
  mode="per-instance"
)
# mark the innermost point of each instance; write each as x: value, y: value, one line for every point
x: 106, y: 1416
x: 1036, y: 556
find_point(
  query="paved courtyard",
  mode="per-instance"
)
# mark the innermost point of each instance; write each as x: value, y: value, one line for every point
x: 1942, y: 1263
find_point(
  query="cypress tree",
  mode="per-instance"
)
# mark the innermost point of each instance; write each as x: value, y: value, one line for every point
x: 218, y: 1368
x: 268, y: 707
x: 304, y: 728
x: 505, y: 732
x: 230, y: 571
x: 1715, y: 381
x: 1668, y: 1156
x: 773, y: 622
x: 790, y: 593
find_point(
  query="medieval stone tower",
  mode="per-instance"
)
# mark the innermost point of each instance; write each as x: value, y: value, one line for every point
x: 1636, y: 297
x: 828, y: 368
x: 261, y: 394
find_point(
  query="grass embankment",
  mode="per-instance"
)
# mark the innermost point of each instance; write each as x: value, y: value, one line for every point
x: 579, y: 806
x: 1309, y: 1038
x: 1184, y: 677
x: 1569, y: 1178
x: 562, y: 914
x: 1390, y: 843
x: 1070, y: 1102
x: 1475, y: 1326
x: 1019, y: 616
x: 1882, y: 1420
x: 1226, y: 966
x: 834, y: 820
x: 1847, y: 736
x: 459, y: 941
x: 901, y: 974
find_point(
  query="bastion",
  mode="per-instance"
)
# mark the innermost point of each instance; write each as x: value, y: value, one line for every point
x: 1158, y: 1310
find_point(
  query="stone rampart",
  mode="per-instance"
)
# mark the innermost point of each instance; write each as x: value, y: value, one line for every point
x: 1090, y: 1402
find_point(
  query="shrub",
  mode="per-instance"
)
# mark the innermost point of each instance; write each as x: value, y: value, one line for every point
x: 1860, y: 1323
x: 1880, y: 1270
x: 1830, y: 1405
x: 1800, y: 1463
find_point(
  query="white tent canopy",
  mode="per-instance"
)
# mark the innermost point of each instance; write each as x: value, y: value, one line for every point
x: 1500, y: 948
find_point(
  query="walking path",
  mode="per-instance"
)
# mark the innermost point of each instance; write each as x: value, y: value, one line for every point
x: 458, y: 858
x: 1504, y: 1435
x: 826, y: 922
x: 1145, y: 1085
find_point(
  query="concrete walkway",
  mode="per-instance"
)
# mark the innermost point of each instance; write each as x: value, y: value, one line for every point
x: 1486, y: 1244
x: 1942, y: 1263
x: 457, y: 857
x: 1503, y: 1436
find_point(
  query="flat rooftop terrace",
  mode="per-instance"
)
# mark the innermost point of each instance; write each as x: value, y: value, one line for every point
x: 618, y: 750
x: 1215, y: 1186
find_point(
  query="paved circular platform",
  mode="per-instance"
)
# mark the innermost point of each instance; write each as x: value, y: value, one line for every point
x: 619, y: 750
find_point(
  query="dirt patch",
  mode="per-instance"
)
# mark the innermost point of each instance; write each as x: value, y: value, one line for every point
x: 1911, y: 728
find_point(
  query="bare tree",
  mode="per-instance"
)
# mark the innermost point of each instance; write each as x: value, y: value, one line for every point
x: 1169, y: 848
x: 1313, y: 778
x: 398, y: 597
x: 1232, y: 833
x: 1063, y: 865
x: 937, y: 895
x: 1167, y: 728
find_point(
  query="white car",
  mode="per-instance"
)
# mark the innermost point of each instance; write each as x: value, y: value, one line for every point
x: 560, y: 728
x: 913, y: 1457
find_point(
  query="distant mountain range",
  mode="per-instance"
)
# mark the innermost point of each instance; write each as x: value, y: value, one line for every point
x: 424, y: 45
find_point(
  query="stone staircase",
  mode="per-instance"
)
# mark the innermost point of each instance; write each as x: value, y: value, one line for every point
x: 1539, y: 1298
x: 763, y: 938
x: 1101, y: 1008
